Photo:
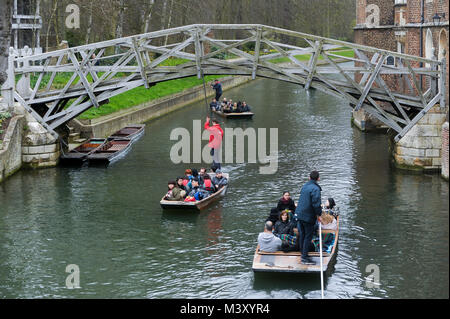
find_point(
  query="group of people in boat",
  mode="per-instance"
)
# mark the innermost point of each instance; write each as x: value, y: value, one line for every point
x: 291, y: 227
x: 195, y: 185
x: 228, y: 106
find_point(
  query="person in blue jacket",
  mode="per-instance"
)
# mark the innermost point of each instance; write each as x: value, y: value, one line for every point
x: 218, y: 88
x: 308, y: 209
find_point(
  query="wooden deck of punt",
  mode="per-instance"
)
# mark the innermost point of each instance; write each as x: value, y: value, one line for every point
x: 110, y: 150
x: 131, y: 132
x: 243, y: 115
x: 198, y: 205
x: 291, y: 262
x: 80, y: 153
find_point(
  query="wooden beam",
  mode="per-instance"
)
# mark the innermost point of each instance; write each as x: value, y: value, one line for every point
x: 83, y: 79
x: 313, y: 65
x: 257, y: 51
x: 137, y: 54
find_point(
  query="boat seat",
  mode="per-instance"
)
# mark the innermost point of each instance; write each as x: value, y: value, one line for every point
x: 292, y: 253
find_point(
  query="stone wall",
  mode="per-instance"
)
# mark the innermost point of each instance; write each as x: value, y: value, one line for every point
x: 39, y: 148
x: 10, y: 149
x: 445, y: 155
x: 421, y: 148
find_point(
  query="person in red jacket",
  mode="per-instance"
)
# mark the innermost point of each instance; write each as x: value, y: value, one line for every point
x: 215, y: 141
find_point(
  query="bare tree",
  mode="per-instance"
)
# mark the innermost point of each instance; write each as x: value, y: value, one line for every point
x: 5, y: 37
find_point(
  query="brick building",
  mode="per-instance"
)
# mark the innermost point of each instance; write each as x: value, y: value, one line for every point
x: 415, y: 27
x: 419, y: 28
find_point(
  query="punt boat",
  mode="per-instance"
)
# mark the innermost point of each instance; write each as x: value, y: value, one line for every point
x: 110, y: 151
x: 79, y: 154
x: 243, y: 115
x: 289, y: 262
x: 131, y: 132
x: 198, y: 205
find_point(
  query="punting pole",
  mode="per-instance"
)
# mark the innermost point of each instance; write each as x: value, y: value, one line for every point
x: 206, y: 98
x: 321, y: 260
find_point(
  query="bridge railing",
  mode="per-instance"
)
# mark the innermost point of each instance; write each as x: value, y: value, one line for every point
x: 397, y: 89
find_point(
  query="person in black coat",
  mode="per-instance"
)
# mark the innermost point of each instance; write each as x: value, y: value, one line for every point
x: 284, y: 224
x: 286, y: 202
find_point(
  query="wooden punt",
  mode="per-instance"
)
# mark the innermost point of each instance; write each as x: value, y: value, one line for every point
x: 81, y: 152
x: 198, y: 205
x: 110, y: 151
x: 290, y: 262
x: 243, y: 115
x: 131, y: 132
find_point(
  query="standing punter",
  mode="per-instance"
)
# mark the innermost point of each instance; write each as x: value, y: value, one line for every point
x: 215, y: 141
x: 308, y: 210
x: 218, y: 88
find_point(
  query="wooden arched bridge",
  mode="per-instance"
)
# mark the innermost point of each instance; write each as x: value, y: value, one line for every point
x: 395, y: 88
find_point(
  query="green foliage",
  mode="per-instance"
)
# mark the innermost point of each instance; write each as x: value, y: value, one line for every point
x: 4, y: 116
x: 74, y: 38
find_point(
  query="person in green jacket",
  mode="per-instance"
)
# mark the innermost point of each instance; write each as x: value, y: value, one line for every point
x: 175, y: 193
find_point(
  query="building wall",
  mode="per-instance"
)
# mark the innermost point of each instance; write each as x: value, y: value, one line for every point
x: 400, y: 28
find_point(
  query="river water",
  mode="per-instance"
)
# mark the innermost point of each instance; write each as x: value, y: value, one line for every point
x: 108, y: 221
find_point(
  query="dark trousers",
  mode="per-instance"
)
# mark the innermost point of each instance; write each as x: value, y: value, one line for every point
x: 306, y: 232
x: 218, y: 95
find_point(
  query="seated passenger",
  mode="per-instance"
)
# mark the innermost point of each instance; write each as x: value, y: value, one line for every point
x: 201, y: 175
x: 239, y: 107
x: 214, y: 105
x: 187, y: 179
x: 219, y: 181
x: 174, y: 193
x: 180, y: 183
x: 227, y: 108
x: 286, y: 202
x: 267, y: 241
x: 284, y: 225
x: 328, y: 221
x: 330, y: 207
x: 197, y: 192
x: 286, y: 230
x: 245, y: 107
x: 234, y: 109
x: 224, y: 103
x: 208, y: 184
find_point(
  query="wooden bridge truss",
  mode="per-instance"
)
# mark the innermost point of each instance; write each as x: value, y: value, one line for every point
x: 395, y: 88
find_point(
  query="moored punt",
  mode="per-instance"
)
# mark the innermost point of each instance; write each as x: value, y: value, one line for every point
x: 79, y: 154
x: 243, y: 115
x: 198, y: 205
x: 110, y: 151
x: 131, y: 132
x: 290, y: 262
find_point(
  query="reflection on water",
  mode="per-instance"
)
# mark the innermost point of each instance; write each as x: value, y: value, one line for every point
x: 108, y: 220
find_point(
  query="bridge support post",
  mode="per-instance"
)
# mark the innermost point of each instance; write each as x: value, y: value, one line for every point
x: 7, y: 89
x: 367, y: 123
x: 421, y: 149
